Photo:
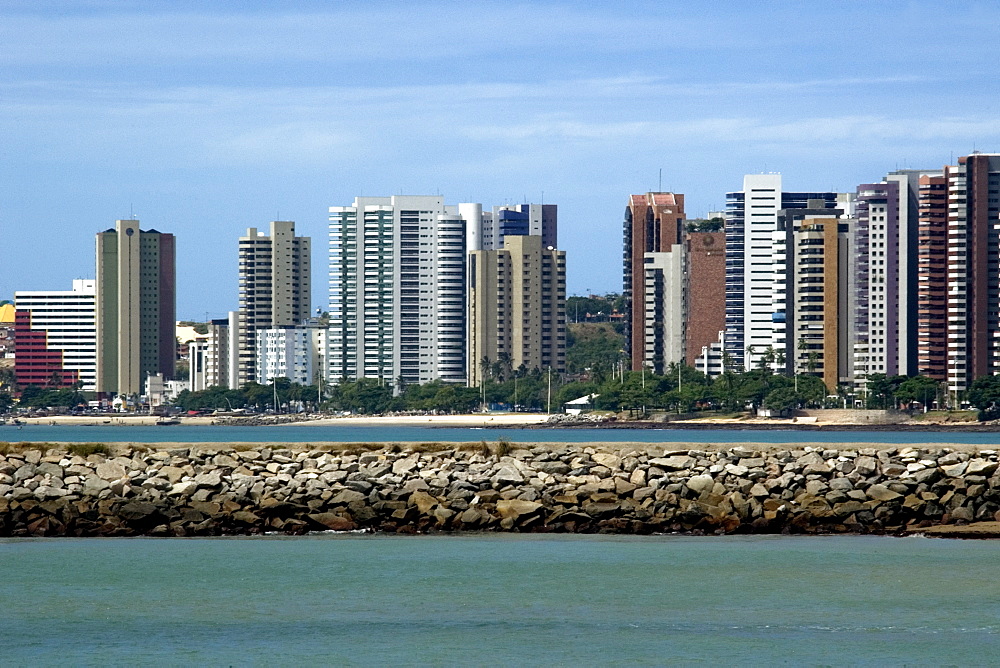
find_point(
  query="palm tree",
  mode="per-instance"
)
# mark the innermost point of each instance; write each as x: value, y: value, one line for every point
x: 506, y: 365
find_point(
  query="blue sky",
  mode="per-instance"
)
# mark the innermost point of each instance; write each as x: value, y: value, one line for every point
x: 207, y: 118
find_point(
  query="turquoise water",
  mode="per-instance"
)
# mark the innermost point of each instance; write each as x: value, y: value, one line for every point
x: 499, y: 600
x: 375, y: 434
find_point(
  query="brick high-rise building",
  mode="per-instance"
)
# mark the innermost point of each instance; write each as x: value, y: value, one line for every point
x: 706, y: 276
x: 654, y: 223
x: 932, y: 277
x: 973, y: 266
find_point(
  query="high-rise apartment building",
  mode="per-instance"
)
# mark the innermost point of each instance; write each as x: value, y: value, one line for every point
x: 822, y: 296
x: 136, y: 307
x: 932, y: 277
x: 756, y: 266
x: 517, y: 307
x: 973, y: 267
x: 217, y: 353
x: 397, y: 289
x: 56, y: 337
x: 887, y: 248
x: 275, y: 277
x: 706, y: 278
x: 519, y: 219
x: 654, y: 223
x: 664, y: 305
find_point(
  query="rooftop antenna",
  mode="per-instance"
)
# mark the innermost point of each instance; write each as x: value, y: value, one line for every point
x: 660, y: 187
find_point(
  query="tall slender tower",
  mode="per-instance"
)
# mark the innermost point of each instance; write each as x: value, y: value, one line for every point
x: 275, y: 275
x: 973, y: 291
x: 932, y: 278
x: 136, y: 307
x: 654, y: 223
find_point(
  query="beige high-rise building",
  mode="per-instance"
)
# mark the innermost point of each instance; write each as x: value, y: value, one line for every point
x: 136, y: 307
x: 275, y: 278
x: 517, y: 307
x: 821, y: 306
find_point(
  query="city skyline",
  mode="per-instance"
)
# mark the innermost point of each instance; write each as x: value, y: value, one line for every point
x: 202, y: 122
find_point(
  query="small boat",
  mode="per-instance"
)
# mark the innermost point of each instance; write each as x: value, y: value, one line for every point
x: 167, y: 421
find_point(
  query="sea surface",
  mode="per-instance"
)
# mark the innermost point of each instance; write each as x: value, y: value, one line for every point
x: 499, y: 600
x: 388, y: 433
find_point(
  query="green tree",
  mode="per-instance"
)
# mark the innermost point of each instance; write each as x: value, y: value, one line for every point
x: 984, y: 393
x: 781, y: 399
x: 917, y: 388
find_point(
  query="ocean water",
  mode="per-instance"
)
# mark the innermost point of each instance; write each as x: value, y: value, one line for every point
x: 499, y: 600
x: 379, y: 434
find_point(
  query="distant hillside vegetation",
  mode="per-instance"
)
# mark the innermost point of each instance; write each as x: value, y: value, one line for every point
x: 592, y: 345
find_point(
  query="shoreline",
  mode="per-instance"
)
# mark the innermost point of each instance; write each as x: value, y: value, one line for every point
x: 533, y: 421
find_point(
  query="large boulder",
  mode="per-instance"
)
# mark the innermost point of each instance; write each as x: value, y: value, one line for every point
x: 673, y: 463
x: 109, y: 470
x: 516, y: 508
x: 332, y: 521
x: 508, y: 475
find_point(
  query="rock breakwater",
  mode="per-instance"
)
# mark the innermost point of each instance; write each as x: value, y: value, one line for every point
x: 498, y: 487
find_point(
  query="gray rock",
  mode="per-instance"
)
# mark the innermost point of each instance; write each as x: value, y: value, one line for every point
x: 841, y: 484
x: 509, y: 475
x: 812, y: 464
x: 673, y: 463
x: 611, y: 461
x: 701, y: 483
x: 92, y: 485
x: 347, y: 496
x: 552, y: 468
x: 25, y: 472
x: 209, y: 480
x: 49, y: 468
x: 954, y: 470
x: 752, y: 462
x: 882, y: 493
x: 110, y: 470
x: 172, y: 473
x: 865, y: 466
x: 225, y: 460
x: 183, y: 488
x: 981, y: 467
x: 405, y: 465
x: 416, y: 485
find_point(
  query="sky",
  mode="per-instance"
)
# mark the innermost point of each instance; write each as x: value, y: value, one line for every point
x: 204, y: 119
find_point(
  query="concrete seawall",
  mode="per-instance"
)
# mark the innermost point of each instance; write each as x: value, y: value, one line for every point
x: 191, y: 491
